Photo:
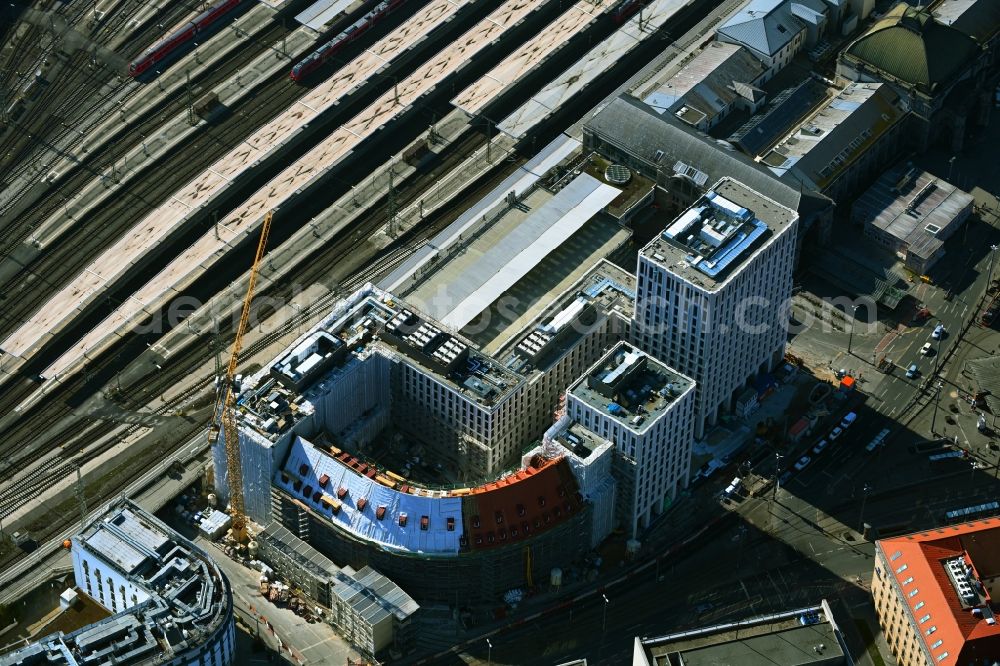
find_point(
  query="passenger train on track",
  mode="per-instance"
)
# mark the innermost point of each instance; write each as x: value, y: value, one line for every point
x: 315, y: 59
x: 181, y: 36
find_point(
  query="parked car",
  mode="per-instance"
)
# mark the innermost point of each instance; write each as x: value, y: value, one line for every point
x: 836, y: 432
x: 802, y: 462
x: 818, y: 449
x: 785, y: 477
x: 912, y: 371
x: 703, y: 608
x: 927, y: 349
x: 939, y: 332
x: 848, y: 419
x: 733, y: 486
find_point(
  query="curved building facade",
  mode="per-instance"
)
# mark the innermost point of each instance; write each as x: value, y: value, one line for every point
x: 473, y: 544
x: 170, y: 603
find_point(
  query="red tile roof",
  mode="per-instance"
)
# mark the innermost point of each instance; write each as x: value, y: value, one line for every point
x: 520, y: 505
x: 963, y: 635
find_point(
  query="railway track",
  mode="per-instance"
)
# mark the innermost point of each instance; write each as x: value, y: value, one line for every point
x: 192, y: 359
x: 82, y: 110
x: 61, y: 261
x: 189, y: 360
x: 67, y: 92
x: 64, y: 259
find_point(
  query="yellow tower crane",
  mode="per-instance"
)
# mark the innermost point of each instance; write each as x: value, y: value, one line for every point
x: 233, y: 465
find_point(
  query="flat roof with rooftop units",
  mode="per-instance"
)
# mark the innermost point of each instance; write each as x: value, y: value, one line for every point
x: 374, y: 321
x: 803, y: 636
x: 719, y: 233
x: 170, y: 602
x: 542, y: 340
x: 631, y: 386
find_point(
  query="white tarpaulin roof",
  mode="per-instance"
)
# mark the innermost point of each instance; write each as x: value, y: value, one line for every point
x: 522, y: 249
x: 435, y: 539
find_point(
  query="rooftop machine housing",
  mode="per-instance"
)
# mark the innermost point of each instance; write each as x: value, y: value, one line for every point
x: 631, y: 386
x: 714, y: 232
x: 301, y: 366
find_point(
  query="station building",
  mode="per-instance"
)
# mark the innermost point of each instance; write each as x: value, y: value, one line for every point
x: 935, y: 594
x: 944, y: 74
x: 844, y: 144
x: 169, y: 602
x: 776, y: 30
x: 712, y: 294
x: 684, y: 163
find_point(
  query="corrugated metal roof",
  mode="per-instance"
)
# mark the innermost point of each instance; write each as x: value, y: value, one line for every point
x: 373, y: 596
x: 904, y: 212
x: 524, y: 248
x: 909, y: 45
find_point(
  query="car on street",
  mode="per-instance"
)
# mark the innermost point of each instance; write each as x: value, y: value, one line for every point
x: 818, y: 449
x: 849, y: 418
x: 802, y: 462
x: 939, y: 332
x: 927, y: 349
x: 785, y: 477
x: 912, y: 371
x: 836, y: 432
x: 703, y: 608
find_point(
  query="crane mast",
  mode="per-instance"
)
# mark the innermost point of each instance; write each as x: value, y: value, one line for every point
x: 233, y: 465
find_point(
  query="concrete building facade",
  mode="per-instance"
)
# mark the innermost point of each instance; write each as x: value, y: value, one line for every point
x: 934, y: 594
x: 646, y: 410
x: 713, y: 292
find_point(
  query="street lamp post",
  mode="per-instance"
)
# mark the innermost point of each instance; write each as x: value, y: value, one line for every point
x: 951, y: 165
x: 777, y: 468
x: 864, y: 497
x: 989, y: 274
x: 850, y: 337
x: 489, y: 652
x: 604, y: 620
x: 937, y: 403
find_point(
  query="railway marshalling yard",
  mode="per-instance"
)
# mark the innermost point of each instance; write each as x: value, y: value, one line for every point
x: 130, y: 206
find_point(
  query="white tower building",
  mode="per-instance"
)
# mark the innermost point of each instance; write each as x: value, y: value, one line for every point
x: 713, y: 290
x: 646, y: 410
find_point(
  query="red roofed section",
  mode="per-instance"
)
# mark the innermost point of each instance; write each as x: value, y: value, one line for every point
x: 964, y: 632
x: 519, y: 506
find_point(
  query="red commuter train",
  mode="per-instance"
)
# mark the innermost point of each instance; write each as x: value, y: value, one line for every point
x: 181, y: 36
x: 626, y: 9
x: 311, y: 62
